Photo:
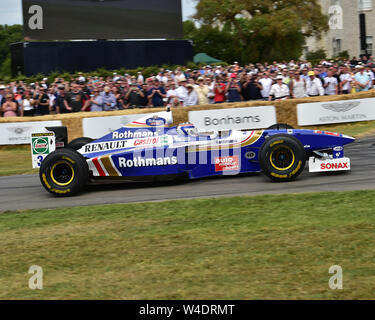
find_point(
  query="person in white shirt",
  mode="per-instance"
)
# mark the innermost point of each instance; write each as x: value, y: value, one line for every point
x: 181, y: 91
x: 371, y: 76
x: 266, y: 83
x: 330, y: 84
x: 314, y: 86
x: 279, y: 90
x: 345, y: 81
x: 172, y: 96
x: 179, y: 76
x: 192, y: 97
x: 140, y: 78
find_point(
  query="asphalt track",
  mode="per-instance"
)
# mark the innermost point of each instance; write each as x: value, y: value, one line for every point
x: 26, y: 192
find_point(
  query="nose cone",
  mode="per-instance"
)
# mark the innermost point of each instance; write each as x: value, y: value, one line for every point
x: 346, y: 139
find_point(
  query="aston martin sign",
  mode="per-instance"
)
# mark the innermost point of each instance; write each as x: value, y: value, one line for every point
x: 336, y: 112
x: 20, y: 132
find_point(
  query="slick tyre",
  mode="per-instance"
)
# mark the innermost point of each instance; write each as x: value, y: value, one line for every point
x: 282, y: 157
x: 78, y: 143
x: 64, y: 172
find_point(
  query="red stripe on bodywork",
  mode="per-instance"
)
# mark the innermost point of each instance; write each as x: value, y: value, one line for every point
x: 98, y: 167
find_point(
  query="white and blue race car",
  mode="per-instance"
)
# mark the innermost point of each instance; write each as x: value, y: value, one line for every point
x: 149, y: 149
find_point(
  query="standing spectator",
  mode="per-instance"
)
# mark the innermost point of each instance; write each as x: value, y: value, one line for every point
x: 182, y: 91
x: 345, y: 81
x: 27, y: 105
x: 191, y: 97
x: 279, y: 90
x: 297, y: 86
x: 219, y: 90
x: 202, y: 91
x: 9, y: 107
x: 266, y: 83
x: 109, y: 99
x: 140, y: 78
x: 314, y: 86
x: 42, y: 101
x: 52, y: 99
x: 172, y: 95
x: 95, y: 103
x: 62, y: 105
x: 330, y: 84
x: 233, y: 89
x: 2, y: 95
x: 252, y: 88
x: 156, y: 94
x: 362, y: 80
x: 75, y: 98
x: 211, y: 86
x: 371, y: 76
x: 134, y: 96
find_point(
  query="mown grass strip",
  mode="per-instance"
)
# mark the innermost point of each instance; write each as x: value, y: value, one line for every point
x: 263, y: 247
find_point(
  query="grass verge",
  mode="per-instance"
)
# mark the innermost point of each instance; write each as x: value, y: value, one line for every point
x: 263, y: 247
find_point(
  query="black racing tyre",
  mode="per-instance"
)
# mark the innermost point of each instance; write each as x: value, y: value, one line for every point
x: 64, y: 172
x: 280, y: 126
x: 78, y: 143
x: 282, y: 157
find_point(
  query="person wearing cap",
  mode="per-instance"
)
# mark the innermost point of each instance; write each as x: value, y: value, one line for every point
x: 280, y: 91
x: 362, y: 80
x: 233, y: 89
x: 314, y: 87
x: 191, y: 97
x: 202, y: 91
x: 181, y: 91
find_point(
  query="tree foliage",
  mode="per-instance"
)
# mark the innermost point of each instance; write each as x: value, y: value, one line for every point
x: 8, y: 35
x: 259, y: 30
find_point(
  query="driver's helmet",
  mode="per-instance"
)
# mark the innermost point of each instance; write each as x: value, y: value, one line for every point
x: 187, y: 129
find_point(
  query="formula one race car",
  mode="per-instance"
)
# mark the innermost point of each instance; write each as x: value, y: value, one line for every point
x: 150, y: 149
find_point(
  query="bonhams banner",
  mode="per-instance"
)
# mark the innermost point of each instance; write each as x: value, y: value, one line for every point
x: 336, y: 112
x: 20, y: 132
x: 234, y: 118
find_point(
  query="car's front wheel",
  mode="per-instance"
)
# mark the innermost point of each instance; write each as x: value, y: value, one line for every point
x: 64, y: 172
x: 282, y: 157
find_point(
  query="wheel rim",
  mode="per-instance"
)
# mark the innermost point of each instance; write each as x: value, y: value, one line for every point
x: 282, y: 158
x: 62, y: 173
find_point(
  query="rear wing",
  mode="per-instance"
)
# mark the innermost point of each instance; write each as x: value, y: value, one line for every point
x: 43, y: 143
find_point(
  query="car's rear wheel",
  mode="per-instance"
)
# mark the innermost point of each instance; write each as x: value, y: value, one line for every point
x: 64, y: 172
x: 282, y: 157
x: 78, y: 143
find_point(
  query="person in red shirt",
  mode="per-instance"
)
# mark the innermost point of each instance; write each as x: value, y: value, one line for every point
x: 219, y: 90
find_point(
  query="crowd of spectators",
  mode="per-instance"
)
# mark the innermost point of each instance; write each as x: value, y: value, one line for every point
x: 185, y: 87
